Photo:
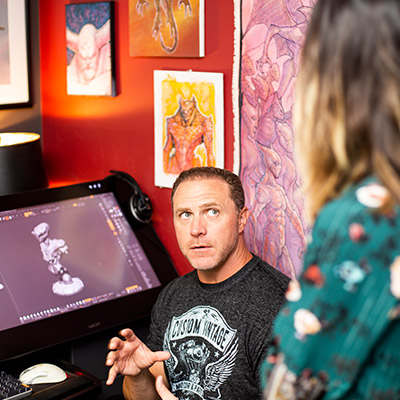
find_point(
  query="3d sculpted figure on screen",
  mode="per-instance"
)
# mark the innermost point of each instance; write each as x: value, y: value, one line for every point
x: 53, y: 250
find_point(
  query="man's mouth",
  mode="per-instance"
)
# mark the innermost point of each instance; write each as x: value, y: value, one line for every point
x: 199, y: 247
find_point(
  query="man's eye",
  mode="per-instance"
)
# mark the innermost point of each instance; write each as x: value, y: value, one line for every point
x: 185, y: 215
x: 213, y: 212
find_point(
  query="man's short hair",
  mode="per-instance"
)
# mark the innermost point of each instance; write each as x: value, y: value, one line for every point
x: 197, y: 173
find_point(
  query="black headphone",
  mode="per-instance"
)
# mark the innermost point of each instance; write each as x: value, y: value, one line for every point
x: 139, y: 203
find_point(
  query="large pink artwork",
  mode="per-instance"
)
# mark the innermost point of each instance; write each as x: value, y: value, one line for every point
x: 272, y: 33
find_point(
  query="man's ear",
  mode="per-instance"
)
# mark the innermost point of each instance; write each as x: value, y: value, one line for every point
x: 243, y: 216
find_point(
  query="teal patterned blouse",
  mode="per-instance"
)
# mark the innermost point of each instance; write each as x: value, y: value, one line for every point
x: 338, y: 336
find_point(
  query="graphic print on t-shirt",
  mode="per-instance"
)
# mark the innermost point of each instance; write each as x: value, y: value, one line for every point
x: 203, y: 351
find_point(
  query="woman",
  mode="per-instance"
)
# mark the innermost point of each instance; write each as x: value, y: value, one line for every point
x: 337, y: 337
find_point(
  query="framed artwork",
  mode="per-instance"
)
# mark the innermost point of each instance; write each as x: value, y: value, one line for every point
x: 173, y: 28
x: 188, y: 122
x: 14, y: 62
x: 90, y: 49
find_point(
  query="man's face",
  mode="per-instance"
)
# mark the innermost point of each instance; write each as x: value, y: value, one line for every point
x: 206, y: 222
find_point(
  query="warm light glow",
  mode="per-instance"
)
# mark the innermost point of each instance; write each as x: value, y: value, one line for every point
x: 13, y: 138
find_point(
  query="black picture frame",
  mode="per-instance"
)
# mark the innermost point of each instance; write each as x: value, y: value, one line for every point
x: 14, y: 57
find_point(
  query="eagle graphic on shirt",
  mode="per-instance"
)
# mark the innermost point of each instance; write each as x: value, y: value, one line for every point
x: 203, y: 351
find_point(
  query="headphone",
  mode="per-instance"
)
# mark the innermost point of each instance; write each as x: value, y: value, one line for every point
x: 139, y: 203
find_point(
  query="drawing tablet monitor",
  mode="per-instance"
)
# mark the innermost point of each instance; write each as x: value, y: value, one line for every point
x: 73, y: 261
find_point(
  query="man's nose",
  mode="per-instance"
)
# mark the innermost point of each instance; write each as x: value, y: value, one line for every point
x: 198, y: 226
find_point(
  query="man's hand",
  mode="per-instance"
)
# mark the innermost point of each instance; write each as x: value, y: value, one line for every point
x: 163, y: 391
x: 130, y: 356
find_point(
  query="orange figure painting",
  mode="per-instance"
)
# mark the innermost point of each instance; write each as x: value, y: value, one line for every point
x: 187, y: 130
x: 166, y: 28
x: 188, y: 122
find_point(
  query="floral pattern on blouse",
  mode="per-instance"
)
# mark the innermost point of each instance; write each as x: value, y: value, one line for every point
x: 338, y: 335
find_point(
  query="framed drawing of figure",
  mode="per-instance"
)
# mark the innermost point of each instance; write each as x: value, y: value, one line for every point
x: 189, y: 122
x: 90, y: 58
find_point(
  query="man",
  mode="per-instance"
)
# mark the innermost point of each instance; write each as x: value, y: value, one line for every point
x: 212, y: 323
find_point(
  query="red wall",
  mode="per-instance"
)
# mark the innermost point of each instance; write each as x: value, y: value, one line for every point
x: 85, y: 137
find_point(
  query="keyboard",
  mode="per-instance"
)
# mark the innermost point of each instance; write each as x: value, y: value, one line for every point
x: 11, y: 388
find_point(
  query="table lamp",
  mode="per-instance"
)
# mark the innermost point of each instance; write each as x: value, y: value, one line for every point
x: 21, y: 163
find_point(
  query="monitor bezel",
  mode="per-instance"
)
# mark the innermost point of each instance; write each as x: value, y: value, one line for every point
x: 44, y: 333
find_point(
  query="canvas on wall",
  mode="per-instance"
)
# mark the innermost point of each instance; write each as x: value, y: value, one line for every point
x: 270, y: 43
x: 166, y: 28
x: 188, y: 122
x: 89, y: 35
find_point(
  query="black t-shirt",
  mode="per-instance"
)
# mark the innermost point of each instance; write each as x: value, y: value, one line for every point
x: 217, y: 334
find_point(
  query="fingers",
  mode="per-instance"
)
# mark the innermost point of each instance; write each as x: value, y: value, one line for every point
x: 112, y: 358
x: 116, y: 343
x: 161, y: 355
x: 113, y: 371
x: 127, y: 334
x: 130, y: 356
x: 163, y: 391
x: 112, y: 374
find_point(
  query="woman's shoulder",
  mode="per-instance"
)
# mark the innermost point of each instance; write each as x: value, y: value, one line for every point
x: 365, y: 200
x: 356, y: 227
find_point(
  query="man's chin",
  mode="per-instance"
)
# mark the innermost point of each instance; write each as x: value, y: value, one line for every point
x: 203, y: 267
x: 202, y: 264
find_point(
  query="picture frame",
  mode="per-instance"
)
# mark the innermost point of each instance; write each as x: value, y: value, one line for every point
x: 188, y: 122
x: 174, y: 29
x: 14, y: 59
x: 90, y: 49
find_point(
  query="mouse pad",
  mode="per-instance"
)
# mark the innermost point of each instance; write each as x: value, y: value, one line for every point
x: 77, y: 385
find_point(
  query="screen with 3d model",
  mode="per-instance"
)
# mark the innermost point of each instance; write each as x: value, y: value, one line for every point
x: 61, y: 257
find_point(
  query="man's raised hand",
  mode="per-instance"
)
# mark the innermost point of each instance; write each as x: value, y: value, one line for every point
x: 130, y: 356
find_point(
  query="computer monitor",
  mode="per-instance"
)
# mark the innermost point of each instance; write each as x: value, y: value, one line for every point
x: 74, y: 261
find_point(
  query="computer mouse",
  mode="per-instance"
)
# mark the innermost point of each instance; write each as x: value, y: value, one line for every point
x: 42, y: 373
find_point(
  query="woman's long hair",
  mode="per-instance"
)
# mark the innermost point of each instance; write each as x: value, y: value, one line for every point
x: 347, y: 110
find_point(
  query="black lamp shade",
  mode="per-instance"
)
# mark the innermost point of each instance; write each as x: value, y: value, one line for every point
x: 21, y: 163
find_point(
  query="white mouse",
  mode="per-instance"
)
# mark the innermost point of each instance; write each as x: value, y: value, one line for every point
x: 42, y: 373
